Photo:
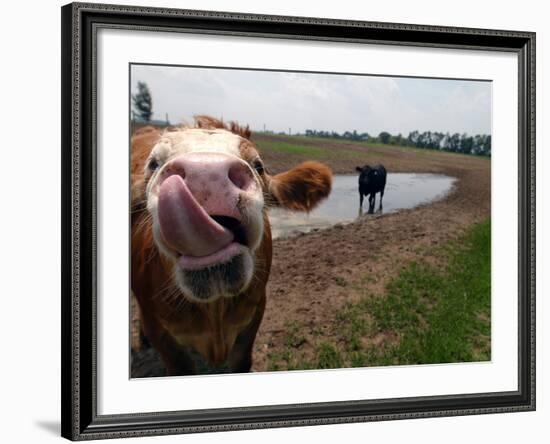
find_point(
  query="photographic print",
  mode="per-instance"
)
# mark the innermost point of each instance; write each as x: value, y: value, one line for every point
x: 273, y: 221
x: 286, y: 221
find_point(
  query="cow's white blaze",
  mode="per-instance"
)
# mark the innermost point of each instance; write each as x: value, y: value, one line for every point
x: 196, y: 140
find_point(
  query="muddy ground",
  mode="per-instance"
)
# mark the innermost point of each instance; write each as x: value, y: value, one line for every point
x: 314, y: 275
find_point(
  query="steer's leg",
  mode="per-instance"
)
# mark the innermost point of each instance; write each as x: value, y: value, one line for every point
x: 240, y: 359
x: 360, y: 200
x: 372, y: 200
x: 175, y: 358
x: 381, y: 196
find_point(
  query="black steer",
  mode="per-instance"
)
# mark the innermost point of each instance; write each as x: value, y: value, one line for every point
x: 372, y: 180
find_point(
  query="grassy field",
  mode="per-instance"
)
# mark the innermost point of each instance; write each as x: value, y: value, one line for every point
x: 281, y: 152
x: 324, y: 148
x: 429, y: 314
x: 297, y: 148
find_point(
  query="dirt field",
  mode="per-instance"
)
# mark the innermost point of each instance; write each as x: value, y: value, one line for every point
x: 315, y: 275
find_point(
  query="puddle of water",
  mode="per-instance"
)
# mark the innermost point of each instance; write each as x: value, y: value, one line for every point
x: 403, y: 190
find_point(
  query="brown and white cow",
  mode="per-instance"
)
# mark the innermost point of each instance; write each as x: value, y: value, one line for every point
x: 201, y: 240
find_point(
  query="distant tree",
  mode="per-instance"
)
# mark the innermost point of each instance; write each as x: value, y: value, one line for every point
x: 421, y: 140
x: 466, y: 144
x: 438, y: 140
x: 445, y: 141
x: 143, y: 104
x: 454, y: 143
x: 486, y: 151
x: 384, y: 137
x: 413, y: 138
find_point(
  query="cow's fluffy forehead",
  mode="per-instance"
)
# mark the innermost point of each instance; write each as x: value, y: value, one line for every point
x: 192, y: 140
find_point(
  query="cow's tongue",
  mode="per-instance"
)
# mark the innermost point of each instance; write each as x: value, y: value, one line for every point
x: 184, y: 224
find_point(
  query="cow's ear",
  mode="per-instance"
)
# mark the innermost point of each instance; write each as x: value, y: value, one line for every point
x: 358, y: 169
x: 302, y: 187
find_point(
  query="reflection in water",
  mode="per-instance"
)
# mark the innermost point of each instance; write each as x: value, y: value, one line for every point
x: 403, y: 190
x: 364, y: 210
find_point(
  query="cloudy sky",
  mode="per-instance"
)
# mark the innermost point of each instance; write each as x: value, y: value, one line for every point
x: 329, y: 102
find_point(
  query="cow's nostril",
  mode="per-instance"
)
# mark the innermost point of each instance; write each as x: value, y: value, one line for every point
x: 171, y: 170
x: 240, y: 175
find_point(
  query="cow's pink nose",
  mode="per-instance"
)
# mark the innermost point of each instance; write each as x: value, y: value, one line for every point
x: 210, y: 170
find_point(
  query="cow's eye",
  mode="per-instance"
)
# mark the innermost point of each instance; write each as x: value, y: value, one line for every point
x: 153, y: 164
x: 258, y: 165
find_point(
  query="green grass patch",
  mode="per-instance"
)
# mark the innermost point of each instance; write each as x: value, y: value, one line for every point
x: 328, y: 356
x: 437, y: 315
x: 306, y: 151
x: 427, y: 315
x: 288, y: 148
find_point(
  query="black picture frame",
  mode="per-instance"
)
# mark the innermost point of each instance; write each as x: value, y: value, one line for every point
x: 79, y: 172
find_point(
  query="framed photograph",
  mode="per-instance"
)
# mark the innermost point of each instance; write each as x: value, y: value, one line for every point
x: 278, y: 221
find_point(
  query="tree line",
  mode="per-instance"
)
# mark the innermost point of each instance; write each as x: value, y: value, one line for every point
x: 480, y: 144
